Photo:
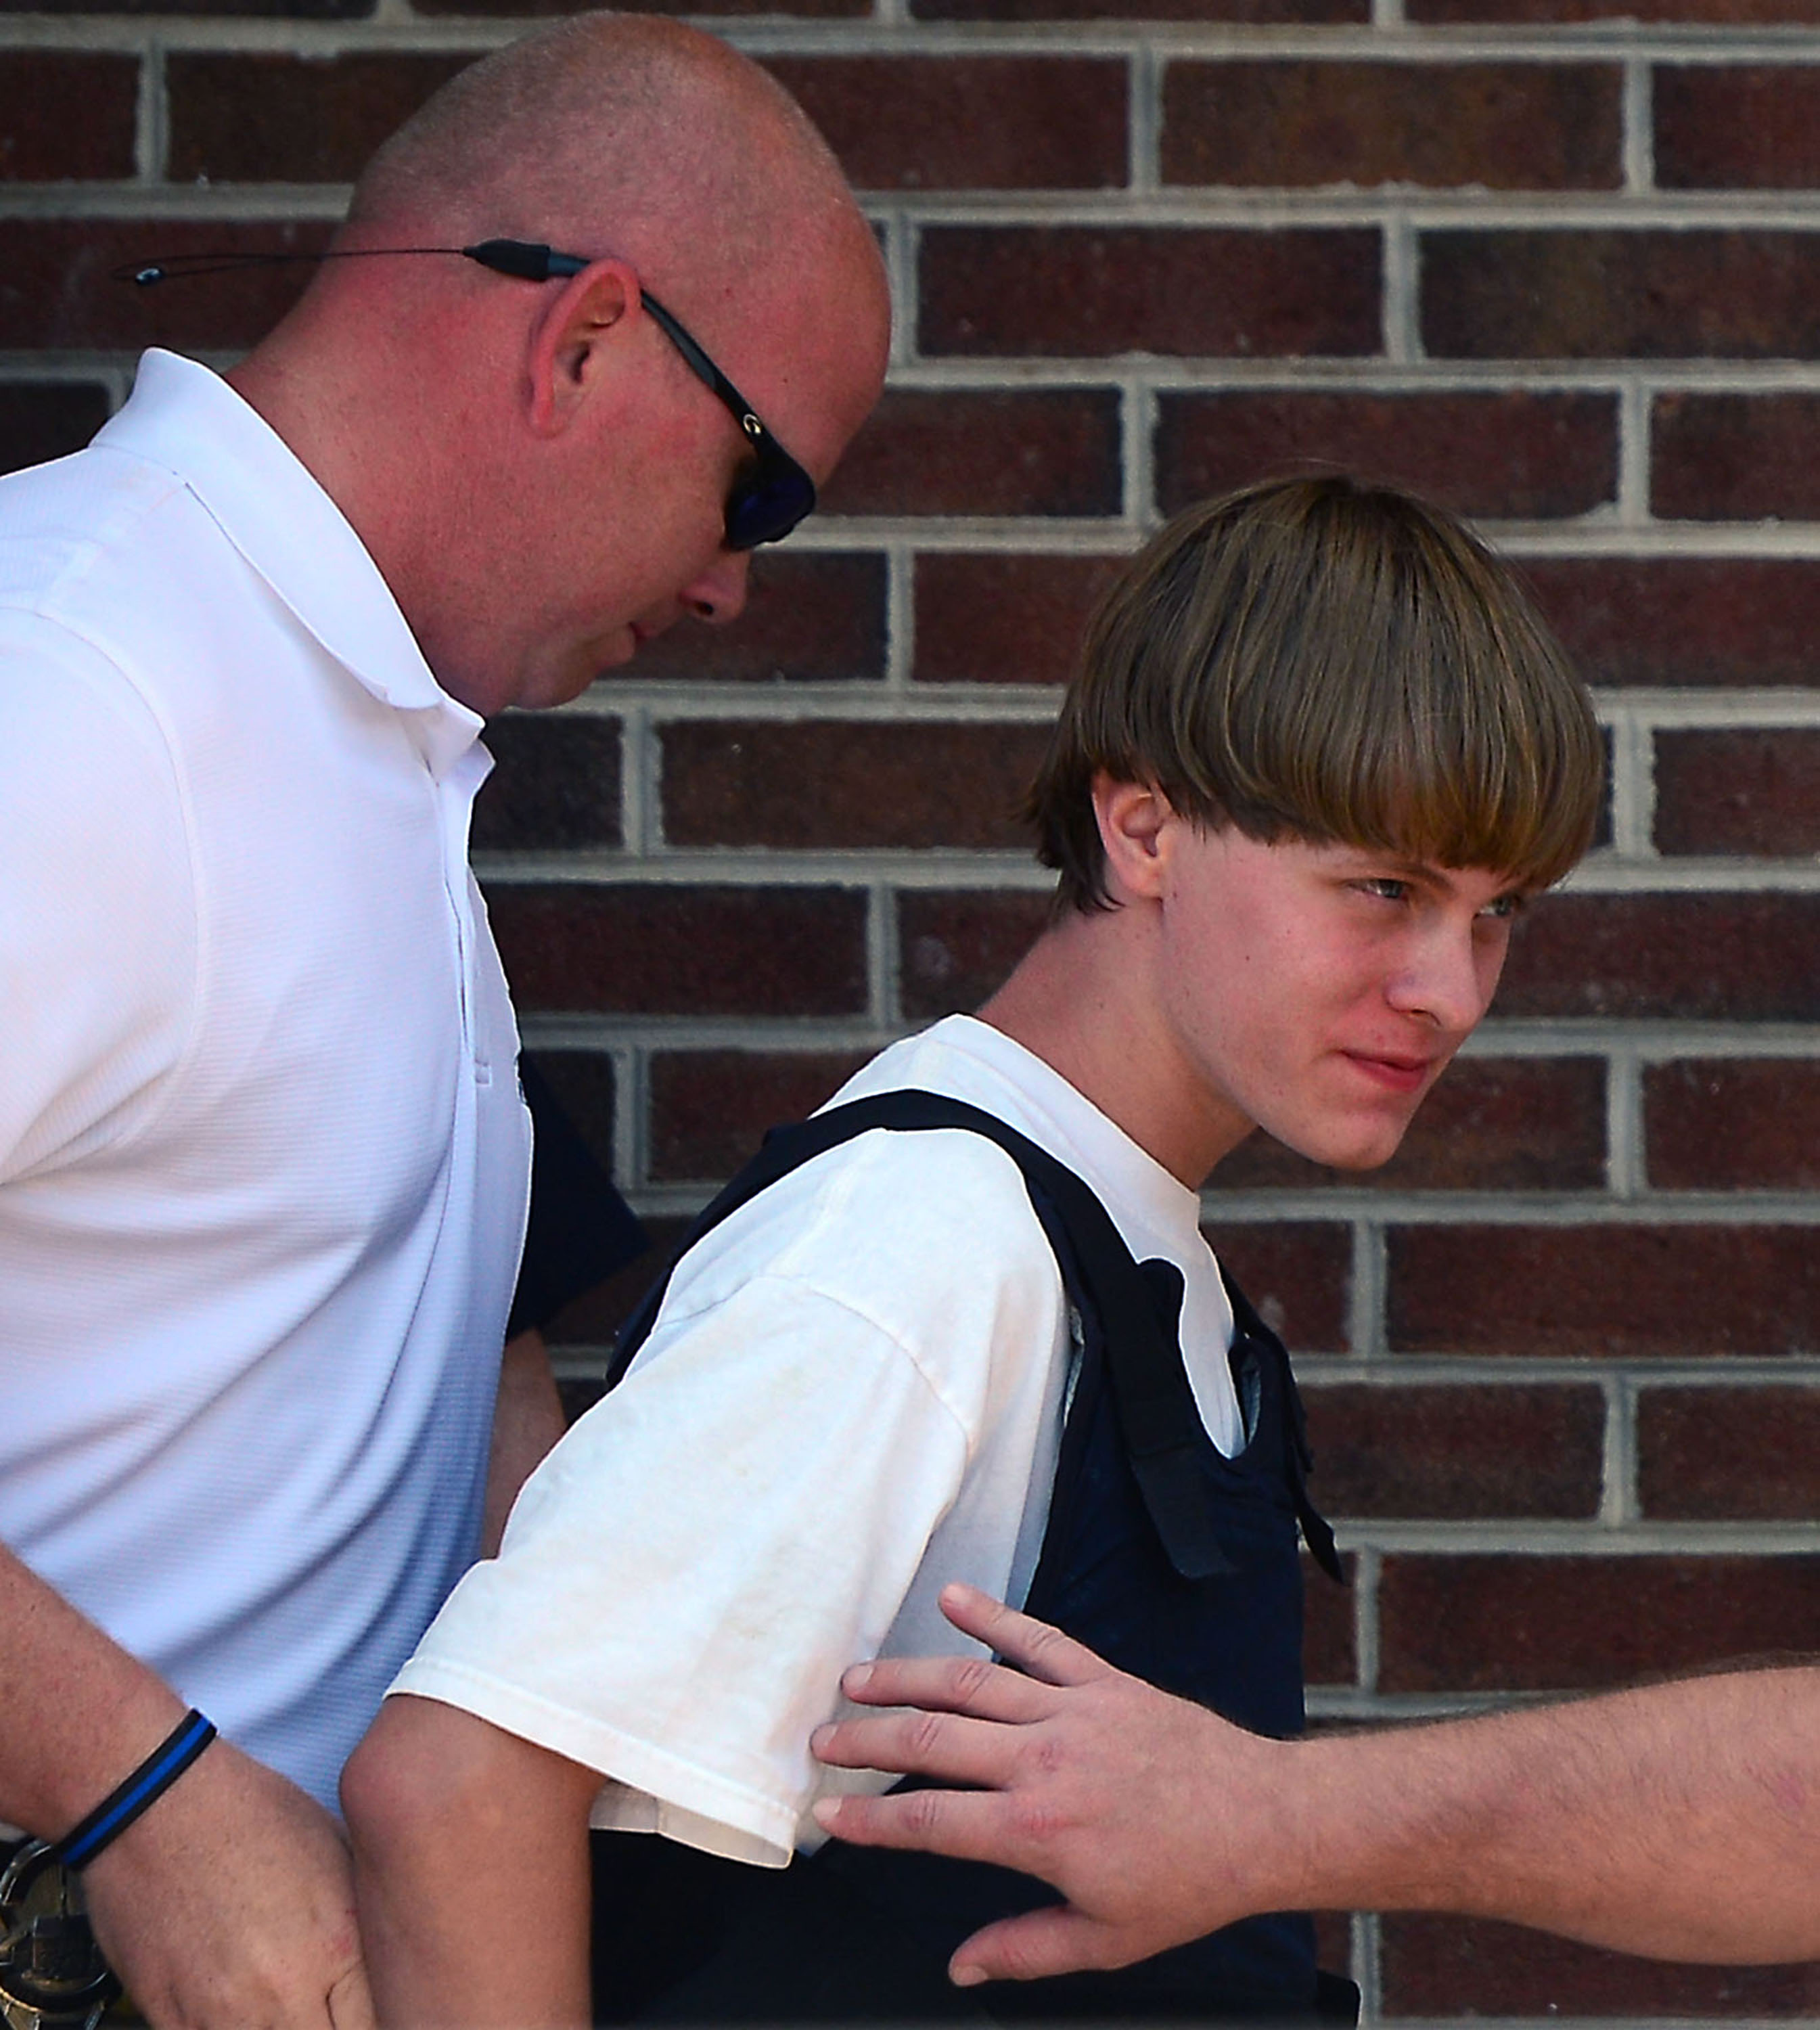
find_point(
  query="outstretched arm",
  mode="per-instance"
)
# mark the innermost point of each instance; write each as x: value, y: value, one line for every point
x: 1680, y: 1821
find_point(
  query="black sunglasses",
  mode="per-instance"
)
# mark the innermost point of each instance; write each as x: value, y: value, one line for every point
x: 767, y: 500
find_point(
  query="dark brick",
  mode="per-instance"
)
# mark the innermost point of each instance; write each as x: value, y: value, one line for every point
x: 557, y: 784
x: 1714, y: 623
x: 802, y: 9
x: 958, y: 946
x: 68, y: 117
x: 1739, y: 958
x: 1605, y: 1292
x: 1730, y: 1455
x: 1062, y: 292
x: 44, y: 419
x: 1259, y: 12
x: 1611, y: 294
x: 1504, y: 126
x: 585, y: 1088
x: 1737, y: 126
x: 1734, y: 458
x: 294, y: 10
x: 1728, y: 1125
x: 1001, y: 452
x: 967, y: 123
x: 1506, y: 1622
x: 824, y: 783
x: 1491, y: 1125
x: 255, y: 118
x: 1729, y: 14
x: 810, y: 618
x: 1329, y: 1642
x: 56, y: 293
x: 1297, y: 1273
x: 1514, y: 455
x: 1739, y: 792
x: 1333, y: 1939
x: 710, y: 1108
x: 594, y: 1317
x: 999, y: 619
x: 661, y: 950
x: 1448, y: 1969
x: 1455, y: 1453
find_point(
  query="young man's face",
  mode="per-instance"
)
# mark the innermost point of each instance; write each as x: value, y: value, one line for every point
x: 1318, y: 991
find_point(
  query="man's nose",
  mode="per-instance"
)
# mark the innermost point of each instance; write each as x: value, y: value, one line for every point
x: 718, y: 595
x: 1447, y: 977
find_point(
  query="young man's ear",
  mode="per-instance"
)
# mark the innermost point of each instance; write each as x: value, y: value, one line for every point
x: 571, y: 342
x: 1136, y: 822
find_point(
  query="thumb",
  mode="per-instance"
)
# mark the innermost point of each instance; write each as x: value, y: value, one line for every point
x: 1059, y: 1940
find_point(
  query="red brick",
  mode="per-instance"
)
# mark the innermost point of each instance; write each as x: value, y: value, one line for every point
x: 905, y: 122
x: 255, y: 118
x: 1738, y: 958
x: 1731, y: 14
x: 1740, y: 792
x: 1730, y: 1455
x: 661, y: 950
x: 1503, y: 126
x: 1450, y: 1968
x: 1609, y: 294
x: 1455, y: 1453
x: 1333, y: 1939
x: 803, y: 9
x: 1728, y: 1125
x: 56, y: 292
x: 556, y: 784
x: 1491, y: 1125
x: 958, y: 946
x: 810, y: 617
x: 1605, y: 1292
x: 1513, y: 455
x: 1506, y: 1623
x: 1734, y: 458
x: 1714, y: 623
x: 710, y: 1108
x: 296, y: 10
x: 1297, y: 1273
x: 68, y: 117
x: 1065, y: 291
x: 585, y: 1087
x: 44, y: 419
x: 1260, y: 12
x: 1329, y: 1643
x: 823, y: 784
x: 1001, y: 452
x: 1737, y: 126
x: 1005, y: 620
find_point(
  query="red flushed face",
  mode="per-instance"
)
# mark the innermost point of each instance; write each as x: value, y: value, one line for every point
x: 1318, y: 991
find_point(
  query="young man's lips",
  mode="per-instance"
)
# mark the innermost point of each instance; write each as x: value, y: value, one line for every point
x: 1401, y: 1074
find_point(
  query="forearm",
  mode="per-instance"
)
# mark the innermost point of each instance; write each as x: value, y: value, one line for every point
x: 527, y: 1421
x: 1681, y: 1821
x: 471, y: 1872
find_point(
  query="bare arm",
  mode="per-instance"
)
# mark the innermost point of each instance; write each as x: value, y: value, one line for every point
x: 229, y: 1902
x: 1681, y: 1821
x: 527, y: 1421
x: 471, y: 1863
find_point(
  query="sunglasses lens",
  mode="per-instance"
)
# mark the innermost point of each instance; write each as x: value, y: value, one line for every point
x: 766, y: 507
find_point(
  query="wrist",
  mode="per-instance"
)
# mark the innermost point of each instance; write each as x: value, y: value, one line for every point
x: 135, y: 1793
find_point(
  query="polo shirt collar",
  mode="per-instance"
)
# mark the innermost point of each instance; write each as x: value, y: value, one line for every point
x: 187, y: 420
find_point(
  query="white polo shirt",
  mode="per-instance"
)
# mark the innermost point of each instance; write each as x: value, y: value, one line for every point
x: 263, y: 1162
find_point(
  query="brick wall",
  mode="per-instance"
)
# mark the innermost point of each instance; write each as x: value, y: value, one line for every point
x: 1561, y: 270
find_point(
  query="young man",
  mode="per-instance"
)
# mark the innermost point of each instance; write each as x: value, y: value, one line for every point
x: 1319, y: 756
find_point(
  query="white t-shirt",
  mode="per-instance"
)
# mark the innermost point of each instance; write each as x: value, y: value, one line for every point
x: 852, y: 1395
x: 263, y: 1162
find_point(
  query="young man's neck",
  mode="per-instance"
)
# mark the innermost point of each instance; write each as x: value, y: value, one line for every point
x: 1082, y: 999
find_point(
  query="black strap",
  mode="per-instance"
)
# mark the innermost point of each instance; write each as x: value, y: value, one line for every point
x: 1157, y: 1416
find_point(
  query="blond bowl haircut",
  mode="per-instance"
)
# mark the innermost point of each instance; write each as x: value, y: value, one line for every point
x: 1318, y: 658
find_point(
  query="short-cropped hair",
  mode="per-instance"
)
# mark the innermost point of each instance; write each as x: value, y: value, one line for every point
x: 1319, y: 658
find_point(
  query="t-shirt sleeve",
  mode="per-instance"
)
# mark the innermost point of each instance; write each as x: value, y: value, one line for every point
x: 686, y: 1577
x: 98, y: 954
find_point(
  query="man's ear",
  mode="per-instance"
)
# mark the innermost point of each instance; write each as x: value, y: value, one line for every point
x: 1136, y: 821
x: 572, y: 340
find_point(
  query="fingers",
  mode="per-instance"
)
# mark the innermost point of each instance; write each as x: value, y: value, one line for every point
x: 350, y: 2003
x: 966, y: 1825
x: 1033, y: 1645
x: 1057, y: 1940
x: 947, y: 1747
x: 949, y: 1685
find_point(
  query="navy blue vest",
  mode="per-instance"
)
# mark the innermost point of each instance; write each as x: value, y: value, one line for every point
x: 1170, y: 1560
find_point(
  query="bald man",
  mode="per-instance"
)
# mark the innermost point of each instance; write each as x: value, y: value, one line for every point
x: 263, y: 1159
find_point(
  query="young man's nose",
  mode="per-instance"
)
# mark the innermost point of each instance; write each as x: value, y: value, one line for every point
x: 1446, y: 979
